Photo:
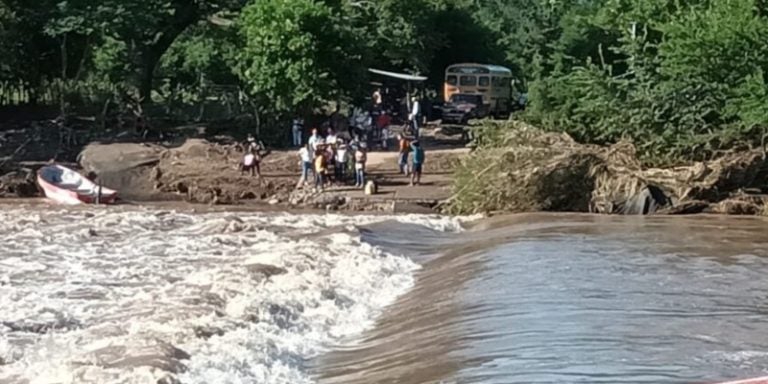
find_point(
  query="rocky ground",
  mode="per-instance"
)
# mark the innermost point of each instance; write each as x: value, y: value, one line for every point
x: 205, y: 169
x: 524, y: 169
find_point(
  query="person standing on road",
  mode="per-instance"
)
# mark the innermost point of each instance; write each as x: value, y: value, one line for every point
x: 331, y: 137
x: 361, y: 157
x: 320, y: 168
x: 418, y: 162
x: 382, y: 123
x: 314, y: 140
x: 413, y: 117
x: 305, y: 157
x: 251, y: 162
x: 342, y: 158
x: 297, y: 130
x: 402, y: 158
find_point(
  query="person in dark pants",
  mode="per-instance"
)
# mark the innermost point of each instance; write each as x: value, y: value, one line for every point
x: 361, y: 157
x: 402, y: 158
x: 342, y: 158
x: 320, y: 169
x: 418, y: 162
x: 251, y: 163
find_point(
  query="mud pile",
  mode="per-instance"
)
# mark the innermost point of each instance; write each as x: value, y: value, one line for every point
x: 519, y: 168
x: 196, y: 171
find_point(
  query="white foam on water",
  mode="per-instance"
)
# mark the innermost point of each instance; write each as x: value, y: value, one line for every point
x: 135, y: 295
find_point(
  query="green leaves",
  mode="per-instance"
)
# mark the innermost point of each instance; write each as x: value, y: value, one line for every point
x: 683, y: 79
x: 298, y: 54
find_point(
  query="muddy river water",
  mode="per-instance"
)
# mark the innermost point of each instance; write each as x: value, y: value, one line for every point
x: 145, y: 295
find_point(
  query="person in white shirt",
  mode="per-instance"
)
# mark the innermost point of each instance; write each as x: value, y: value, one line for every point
x: 331, y: 138
x: 251, y: 164
x: 361, y: 157
x: 413, y: 117
x: 342, y: 158
x: 297, y: 128
x: 305, y: 157
x: 314, y: 140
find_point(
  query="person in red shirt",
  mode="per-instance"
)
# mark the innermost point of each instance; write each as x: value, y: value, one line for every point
x: 382, y: 123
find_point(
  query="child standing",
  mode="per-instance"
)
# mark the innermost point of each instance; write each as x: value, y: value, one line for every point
x: 402, y: 158
x: 320, y: 168
x: 418, y: 162
x: 360, y: 158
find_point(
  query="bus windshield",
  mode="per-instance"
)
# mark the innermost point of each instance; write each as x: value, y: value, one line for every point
x: 468, y: 81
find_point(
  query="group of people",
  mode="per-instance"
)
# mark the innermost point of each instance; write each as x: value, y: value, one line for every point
x: 369, y: 125
x: 413, y: 149
x: 330, y: 160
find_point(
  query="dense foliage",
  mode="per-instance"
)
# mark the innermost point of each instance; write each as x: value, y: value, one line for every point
x: 681, y: 78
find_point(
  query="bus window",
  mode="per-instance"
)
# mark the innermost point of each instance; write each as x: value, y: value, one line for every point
x: 468, y: 81
x: 451, y: 80
x: 484, y: 81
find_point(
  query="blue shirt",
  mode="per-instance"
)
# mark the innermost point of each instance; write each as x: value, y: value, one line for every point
x: 418, y: 155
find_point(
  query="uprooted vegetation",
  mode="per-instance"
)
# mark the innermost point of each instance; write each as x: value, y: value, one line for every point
x: 518, y: 168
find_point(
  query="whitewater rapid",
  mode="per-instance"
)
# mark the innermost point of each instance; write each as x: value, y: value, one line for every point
x: 141, y: 295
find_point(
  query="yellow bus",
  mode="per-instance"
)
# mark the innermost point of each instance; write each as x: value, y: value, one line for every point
x: 492, y: 82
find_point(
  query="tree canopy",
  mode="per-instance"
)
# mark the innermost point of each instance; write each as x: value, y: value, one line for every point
x: 681, y: 78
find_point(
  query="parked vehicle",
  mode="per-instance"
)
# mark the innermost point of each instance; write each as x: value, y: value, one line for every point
x: 461, y: 107
x: 492, y: 82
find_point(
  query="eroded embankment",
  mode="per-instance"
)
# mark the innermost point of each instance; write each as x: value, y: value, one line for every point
x: 520, y: 168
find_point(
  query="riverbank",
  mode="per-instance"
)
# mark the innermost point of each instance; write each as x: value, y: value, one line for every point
x: 515, y: 168
x: 204, y: 169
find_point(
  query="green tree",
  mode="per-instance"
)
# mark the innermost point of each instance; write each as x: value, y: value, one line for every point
x: 134, y: 33
x: 298, y: 54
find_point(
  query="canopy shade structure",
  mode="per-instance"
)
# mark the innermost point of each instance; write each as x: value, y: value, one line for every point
x: 401, y: 76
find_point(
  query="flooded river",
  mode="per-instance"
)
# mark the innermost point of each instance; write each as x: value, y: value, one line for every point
x: 573, y: 299
x: 151, y: 295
